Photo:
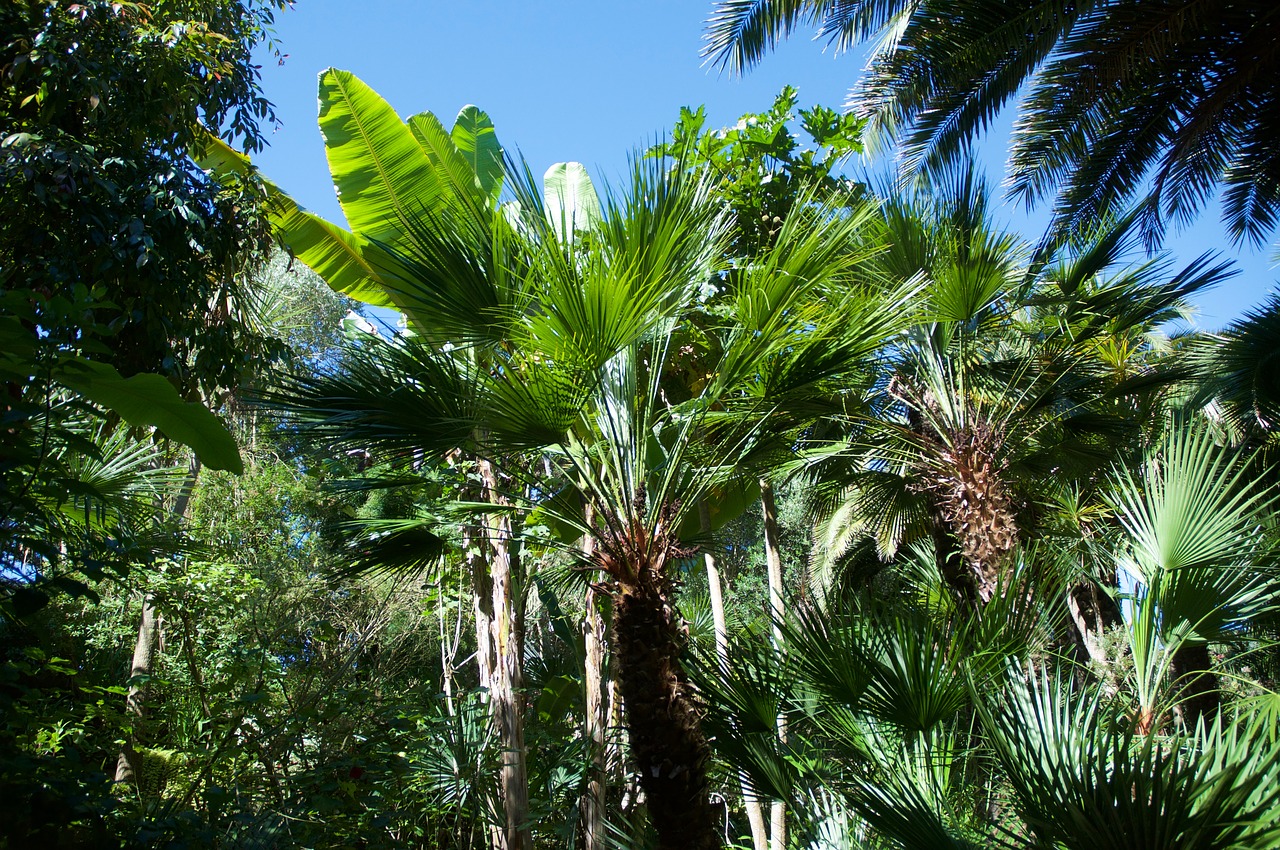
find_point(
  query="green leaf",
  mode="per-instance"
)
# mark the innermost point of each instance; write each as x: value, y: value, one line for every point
x: 452, y: 169
x: 474, y: 135
x: 340, y: 257
x: 383, y: 178
x: 571, y: 200
x: 150, y: 400
x: 725, y: 503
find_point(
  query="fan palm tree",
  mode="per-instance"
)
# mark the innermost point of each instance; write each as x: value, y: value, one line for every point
x: 560, y: 337
x: 877, y: 691
x: 1014, y: 373
x: 1189, y: 534
x: 1083, y: 777
x: 1173, y: 99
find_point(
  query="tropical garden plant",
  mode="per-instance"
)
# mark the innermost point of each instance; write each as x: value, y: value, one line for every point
x: 738, y: 503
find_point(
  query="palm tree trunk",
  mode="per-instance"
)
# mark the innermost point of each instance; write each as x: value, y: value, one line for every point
x: 1092, y: 614
x: 755, y: 813
x: 773, y: 560
x: 667, y: 743
x: 507, y: 675
x: 1195, y: 683
x: 593, y: 800
x: 144, y: 647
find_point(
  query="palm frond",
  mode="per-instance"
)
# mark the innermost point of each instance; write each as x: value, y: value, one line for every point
x: 1084, y: 778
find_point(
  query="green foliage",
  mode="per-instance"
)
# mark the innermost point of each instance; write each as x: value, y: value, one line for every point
x: 759, y: 168
x: 120, y: 293
x: 578, y: 369
x: 1084, y: 778
x: 1162, y: 103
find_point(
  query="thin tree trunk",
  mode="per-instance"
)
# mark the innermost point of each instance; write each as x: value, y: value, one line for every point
x: 1092, y: 613
x: 720, y: 627
x: 482, y: 604
x: 1195, y: 683
x: 508, y: 673
x: 144, y: 647
x: 475, y: 546
x: 593, y: 801
x: 143, y: 664
x: 773, y: 560
x: 449, y: 653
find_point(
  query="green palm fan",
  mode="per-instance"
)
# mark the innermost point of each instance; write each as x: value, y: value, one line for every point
x: 1085, y: 777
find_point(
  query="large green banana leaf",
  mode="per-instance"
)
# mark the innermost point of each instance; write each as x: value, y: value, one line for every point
x: 340, y: 257
x: 474, y: 136
x: 384, y: 179
x: 455, y: 171
x: 570, y: 198
x: 394, y: 180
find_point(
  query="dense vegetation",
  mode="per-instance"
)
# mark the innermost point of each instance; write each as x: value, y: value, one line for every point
x: 738, y: 504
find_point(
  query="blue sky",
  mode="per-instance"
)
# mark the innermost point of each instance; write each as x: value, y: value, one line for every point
x: 587, y: 81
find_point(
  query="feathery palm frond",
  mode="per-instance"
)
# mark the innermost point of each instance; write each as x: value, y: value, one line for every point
x: 1238, y: 370
x: 1121, y: 100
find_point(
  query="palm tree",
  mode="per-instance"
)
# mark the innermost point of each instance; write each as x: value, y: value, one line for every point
x: 1236, y: 370
x: 1014, y: 373
x: 1189, y: 521
x: 901, y: 702
x: 1083, y: 777
x: 1181, y: 97
x: 878, y: 691
x: 590, y: 374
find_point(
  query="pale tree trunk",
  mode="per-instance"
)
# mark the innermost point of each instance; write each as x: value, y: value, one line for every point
x: 508, y: 670
x: 1092, y: 614
x: 593, y: 801
x: 476, y: 545
x: 449, y: 648
x: 755, y: 813
x: 773, y: 560
x: 144, y: 657
x: 144, y: 648
x: 618, y: 745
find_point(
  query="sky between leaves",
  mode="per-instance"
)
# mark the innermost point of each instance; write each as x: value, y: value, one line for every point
x: 593, y: 81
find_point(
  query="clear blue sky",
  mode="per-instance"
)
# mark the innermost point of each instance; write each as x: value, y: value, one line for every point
x: 586, y: 81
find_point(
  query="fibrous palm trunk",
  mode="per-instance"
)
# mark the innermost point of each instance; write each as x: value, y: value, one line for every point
x: 662, y: 717
x: 667, y: 743
x: 976, y: 506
